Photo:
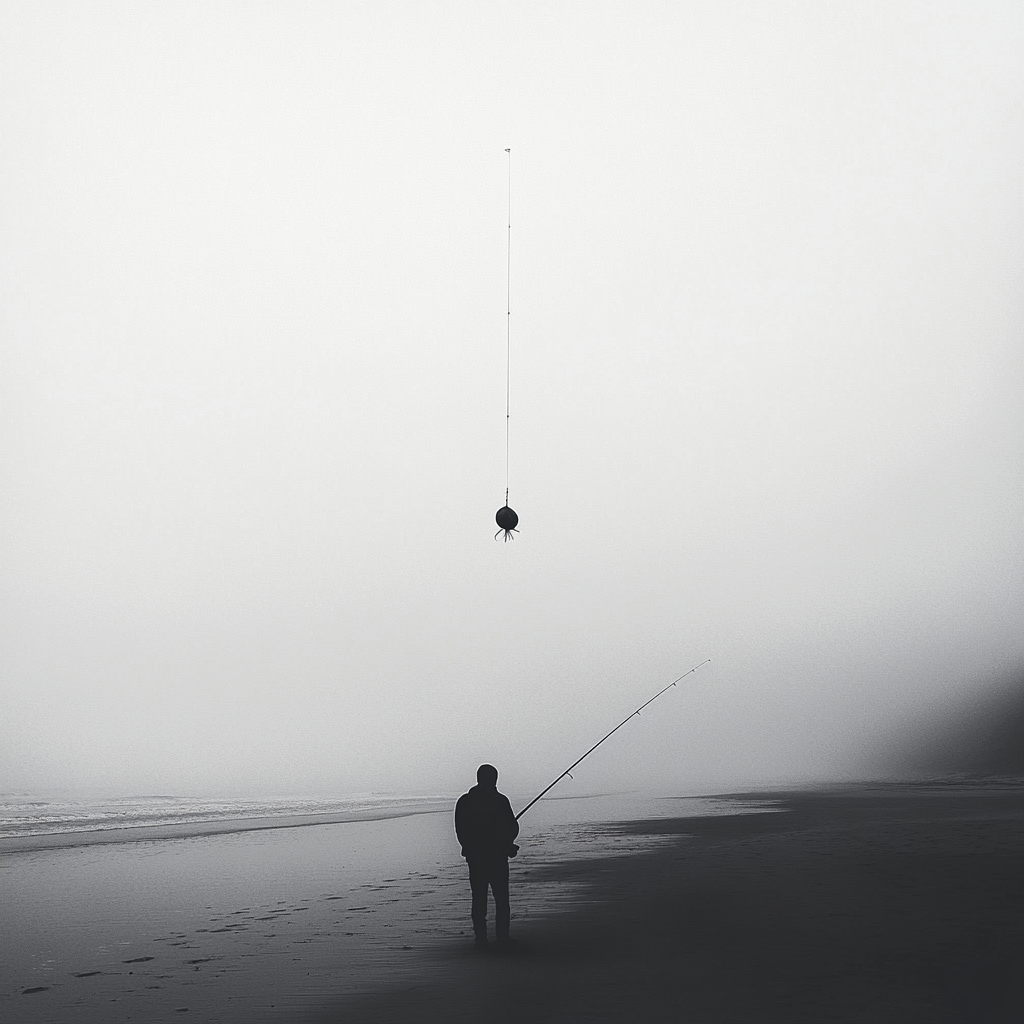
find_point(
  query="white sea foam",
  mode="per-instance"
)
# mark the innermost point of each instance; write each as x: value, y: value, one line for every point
x: 22, y: 816
x: 28, y: 816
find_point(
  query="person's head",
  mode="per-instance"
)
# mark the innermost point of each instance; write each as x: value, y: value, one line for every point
x: 487, y: 775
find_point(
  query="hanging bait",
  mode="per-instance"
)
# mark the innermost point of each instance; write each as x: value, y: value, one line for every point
x: 507, y: 521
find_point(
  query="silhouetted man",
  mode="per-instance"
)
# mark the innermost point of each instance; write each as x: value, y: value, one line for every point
x: 487, y: 829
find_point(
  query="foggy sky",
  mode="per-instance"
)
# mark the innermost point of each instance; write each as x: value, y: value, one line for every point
x: 767, y: 366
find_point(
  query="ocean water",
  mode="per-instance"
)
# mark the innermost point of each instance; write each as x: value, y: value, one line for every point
x: 113, y: 819
x: 24, y: 816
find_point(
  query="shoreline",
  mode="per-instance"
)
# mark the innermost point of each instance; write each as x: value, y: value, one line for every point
x: 198, y: 826
x: 195, y: 829
x: 28, y: 842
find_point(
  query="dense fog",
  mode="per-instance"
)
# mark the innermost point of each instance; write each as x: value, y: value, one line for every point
x: 766, y: 369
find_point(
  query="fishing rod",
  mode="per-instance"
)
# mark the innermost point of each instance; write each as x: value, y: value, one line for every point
x: 603, y: 738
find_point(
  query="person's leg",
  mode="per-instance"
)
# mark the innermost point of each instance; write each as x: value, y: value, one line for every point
x: 502, y: 911
x: 478, y: 879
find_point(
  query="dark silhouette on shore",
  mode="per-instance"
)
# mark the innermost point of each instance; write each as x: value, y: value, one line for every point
x: 486, y: 829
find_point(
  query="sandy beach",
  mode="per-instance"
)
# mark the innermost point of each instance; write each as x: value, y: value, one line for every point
x: 879, y: 905
x: 885, y: 904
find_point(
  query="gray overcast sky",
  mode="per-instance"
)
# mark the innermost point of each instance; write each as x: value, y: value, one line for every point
x: 767, y: 368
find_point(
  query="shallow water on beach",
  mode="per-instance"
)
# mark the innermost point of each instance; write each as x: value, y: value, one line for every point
x: 23, y: 816
x: 233, y: 926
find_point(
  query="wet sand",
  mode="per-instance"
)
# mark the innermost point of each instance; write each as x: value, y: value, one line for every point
x: 880, y: 905
x: 252, y: 920
x: 869, y: 906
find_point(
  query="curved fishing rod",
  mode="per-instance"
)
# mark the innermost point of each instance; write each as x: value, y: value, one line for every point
x: 603, y: 738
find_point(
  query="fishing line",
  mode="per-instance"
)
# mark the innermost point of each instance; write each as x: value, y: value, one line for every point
x: 506, y: 517
x: 508, y: 318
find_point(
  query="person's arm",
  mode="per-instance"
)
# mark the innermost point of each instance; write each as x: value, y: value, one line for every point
x: 460, y: 824
x: 513, y: 830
